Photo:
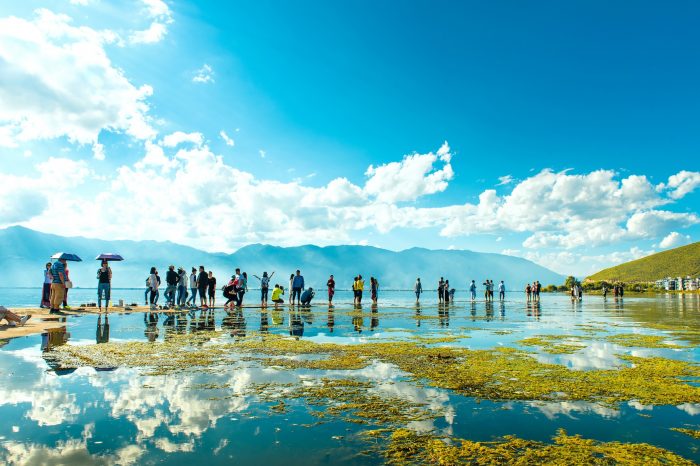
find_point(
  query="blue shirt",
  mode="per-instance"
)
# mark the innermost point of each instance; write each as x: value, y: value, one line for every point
x: 56, y: 269
x: 298, y: 282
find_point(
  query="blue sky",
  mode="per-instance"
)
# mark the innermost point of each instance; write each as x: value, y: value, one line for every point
x: 571, y: 128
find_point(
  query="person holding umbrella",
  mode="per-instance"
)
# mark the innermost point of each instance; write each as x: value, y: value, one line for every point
x: 59, y: 280
x: 104, y: 284
x: 58, y: 287
x: 104, y: 278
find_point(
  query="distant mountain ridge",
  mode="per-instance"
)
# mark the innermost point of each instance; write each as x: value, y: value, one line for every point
x: 677, y: 262
x: 25, y: 251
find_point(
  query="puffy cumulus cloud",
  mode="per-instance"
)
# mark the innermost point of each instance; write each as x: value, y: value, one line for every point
x: 154, y: 199
x: 160, y: 13
x: 654, y: 223
x: 681, y: 184
x: 410, y: 178
x: 179, y: 137
x: 565, y: 210
x: 674, y: 239
x: 564, y: 261
x: 56, y: 80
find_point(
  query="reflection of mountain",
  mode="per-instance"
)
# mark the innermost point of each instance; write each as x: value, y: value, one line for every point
x: 25, y: 252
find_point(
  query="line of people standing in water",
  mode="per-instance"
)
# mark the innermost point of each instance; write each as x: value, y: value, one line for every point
x: 183, y: 290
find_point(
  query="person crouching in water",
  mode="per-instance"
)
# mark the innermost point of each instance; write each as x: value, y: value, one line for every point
x: 277, y: 294
x: 307, y: 296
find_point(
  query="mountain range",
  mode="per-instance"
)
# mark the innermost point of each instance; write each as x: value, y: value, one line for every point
x: 25, y: 251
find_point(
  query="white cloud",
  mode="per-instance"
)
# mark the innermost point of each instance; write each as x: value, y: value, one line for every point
x: 681, y: 184
x: 160, y: 13
x: 204, y: 75
x: 411, y: 178
x: 56, y: 80
x: 179, y: 137
x: 560, y: 212
x: 504, y: 180
x: 155, y: 33
x: 229, y: 142
x: 674, y: 239
x: 98, y: 151
x: 262, y: 153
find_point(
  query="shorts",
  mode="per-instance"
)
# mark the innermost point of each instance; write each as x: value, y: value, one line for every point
x: 212, y: 292
x: 203, y: 293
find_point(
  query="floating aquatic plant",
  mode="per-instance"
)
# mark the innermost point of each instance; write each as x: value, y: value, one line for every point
x: 408, y: 447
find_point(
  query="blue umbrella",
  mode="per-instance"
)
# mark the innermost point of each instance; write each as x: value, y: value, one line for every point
x: 109, y: 256
x: 67, y: 256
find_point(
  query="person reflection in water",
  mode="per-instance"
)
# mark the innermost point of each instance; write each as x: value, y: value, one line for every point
x: 418, y: 315
x: 358, y: 322
x: 150, y: 319
x: 296, y: 325
x: 102, y: 333
x: 54, y: 337
x: 489, y: 311
x: 473, y: 311
x: 331, y: 318
x: 264, y: 323
x: 444, y: 316
x: 374, y: 323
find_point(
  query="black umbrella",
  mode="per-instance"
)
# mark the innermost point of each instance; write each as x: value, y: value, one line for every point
x: 67, y: 256
x: 109, y: 256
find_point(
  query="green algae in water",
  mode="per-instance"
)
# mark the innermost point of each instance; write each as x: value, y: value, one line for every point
x: 408, y: 447
x: 497, y: 374
x: 555, y: 344
x: 632, y: 340
x: 688, y: 432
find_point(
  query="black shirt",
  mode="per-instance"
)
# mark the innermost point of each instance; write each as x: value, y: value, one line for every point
x: 203, y: 279
x: 171, y: 277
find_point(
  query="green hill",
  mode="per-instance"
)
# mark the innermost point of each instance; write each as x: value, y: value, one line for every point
x: 678, y: 262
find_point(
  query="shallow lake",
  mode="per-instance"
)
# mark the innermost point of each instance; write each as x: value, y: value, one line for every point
x: 129, y: 415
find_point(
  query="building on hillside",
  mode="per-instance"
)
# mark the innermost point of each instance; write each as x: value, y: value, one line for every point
x: 679, y: 283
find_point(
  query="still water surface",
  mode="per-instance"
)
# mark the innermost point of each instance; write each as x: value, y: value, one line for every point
x: 89, y: 416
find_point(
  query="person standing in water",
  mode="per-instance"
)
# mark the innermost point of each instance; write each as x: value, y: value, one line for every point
x: 501, y: 291
x: 297, y: 286
x: 291, y: 286
x: 528, y: 292
x: 181, y: 286
x: 46, y: 290
x: 153, y: 287
x: 446, y: 292
x: 104, y: 285
x: 192, y: 300
x: 374, y: 285
x: 211, y: 283
x: 202, y: 285
x: 264, y: 287
x: 472, y: 290
x: 360, y: 288
x: 331, y: 289
x: 441, y: 285
x: 418, y: 289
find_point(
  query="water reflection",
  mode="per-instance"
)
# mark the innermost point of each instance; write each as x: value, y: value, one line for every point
x: 296, y: 324
x: 152, y: 417
x: 102, y: 332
